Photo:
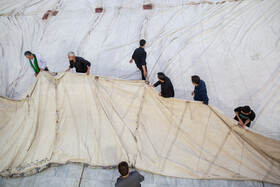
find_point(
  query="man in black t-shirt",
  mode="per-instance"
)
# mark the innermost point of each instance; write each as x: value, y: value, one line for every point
x: 139, y: 56
x: 167, y: 89
x: 244, y: 115
x: 81, y: 65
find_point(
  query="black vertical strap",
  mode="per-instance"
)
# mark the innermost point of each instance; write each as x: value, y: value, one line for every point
x: 81, y: 177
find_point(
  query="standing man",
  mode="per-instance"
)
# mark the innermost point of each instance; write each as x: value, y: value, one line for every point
x: 244, y: 115
x: 200, y: 91
x: 127, y: 179
x: 37, y: 62
x: 167, y: 89
x: 81, y: 65
x: 139, y: 56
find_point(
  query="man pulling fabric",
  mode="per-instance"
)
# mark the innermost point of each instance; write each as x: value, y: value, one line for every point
x: 37, y: 62
x: 80, y: 64
x: 167, y: 89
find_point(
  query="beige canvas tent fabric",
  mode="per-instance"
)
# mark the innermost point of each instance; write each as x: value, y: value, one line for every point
x: 100, y: 122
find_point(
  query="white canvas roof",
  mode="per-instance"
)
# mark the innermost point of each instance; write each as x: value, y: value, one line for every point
x: 232, y: 45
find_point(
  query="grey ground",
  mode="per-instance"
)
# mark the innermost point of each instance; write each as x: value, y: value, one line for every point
x: 69, y: 176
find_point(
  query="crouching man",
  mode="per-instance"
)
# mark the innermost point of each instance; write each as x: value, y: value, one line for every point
x: 244, y: 115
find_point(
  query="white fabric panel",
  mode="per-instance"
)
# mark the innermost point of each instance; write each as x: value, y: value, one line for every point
x: 78, y: 118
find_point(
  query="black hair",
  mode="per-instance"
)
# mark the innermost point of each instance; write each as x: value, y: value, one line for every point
x: 195, y: 79
x: 123, y: 168
x: 161, y: 76
x: 142, y: 42
x: 246, y: 109
x: 27, y: 53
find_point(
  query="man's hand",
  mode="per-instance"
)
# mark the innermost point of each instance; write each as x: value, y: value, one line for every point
x: 96, y: 77
x: 192, y: 92
x: 41, y: 70
x: 88, y: 70
x: 131, y: 60
x: 152, y: 85
x: 159, y: 94
x: 67, y: 70
x: 144, y: 70
x: 35, y: 74
x: 145, y: 73
x: 239, y: 125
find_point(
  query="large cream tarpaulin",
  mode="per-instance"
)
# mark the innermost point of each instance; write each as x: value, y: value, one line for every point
x: 77, y: 118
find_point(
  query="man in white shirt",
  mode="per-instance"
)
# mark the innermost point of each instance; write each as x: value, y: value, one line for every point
x: 37, y: 62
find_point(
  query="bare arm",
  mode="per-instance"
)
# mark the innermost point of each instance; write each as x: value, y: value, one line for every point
x: 239, y: 119
x: 144, y: 70
x: 70, y: 67
x: 246, y: 122
x: 88, y: 70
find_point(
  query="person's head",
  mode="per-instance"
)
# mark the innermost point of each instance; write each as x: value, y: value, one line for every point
x: 123, y: 168
x: 195, y: 80
x: 28, y: 55
x: 71, y: 55
x: 161, y: 76
x: 142, y: 43
x: 246, y: 110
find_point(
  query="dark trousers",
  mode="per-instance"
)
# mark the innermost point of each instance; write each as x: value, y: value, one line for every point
x: 142, y: 72
x: 46, y: 69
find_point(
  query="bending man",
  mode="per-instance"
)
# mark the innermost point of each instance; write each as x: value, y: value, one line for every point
x: 167, y: 89
x: 81, y: 65
x: 37, y: 62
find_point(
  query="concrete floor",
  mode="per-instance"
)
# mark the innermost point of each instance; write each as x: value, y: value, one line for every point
x: 69, y: 176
